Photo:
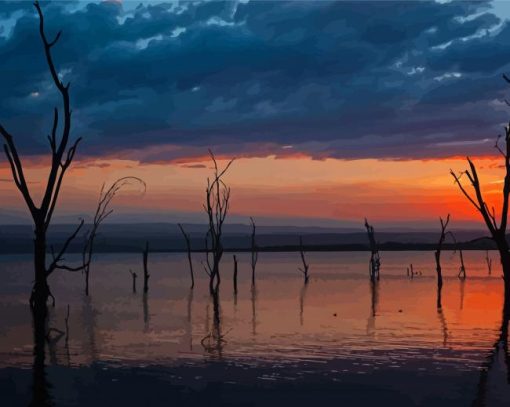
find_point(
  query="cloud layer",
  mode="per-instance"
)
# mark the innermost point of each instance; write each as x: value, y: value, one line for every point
x: 329, y: 79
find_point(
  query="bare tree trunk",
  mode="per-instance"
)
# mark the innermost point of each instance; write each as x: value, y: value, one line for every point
x: 437, y: 255
x: 188, y: 247
x: 306, y: 266
x: 40, y: 289
x: 254, y: 251
x: 235, y: 274
x: 462, y: 269
x: 375, y: 261
x: 146, y: 274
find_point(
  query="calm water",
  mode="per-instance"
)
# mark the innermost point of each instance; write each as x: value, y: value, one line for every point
x: 337, y: 329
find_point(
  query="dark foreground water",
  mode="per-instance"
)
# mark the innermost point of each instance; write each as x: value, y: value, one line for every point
x: 338, y: 339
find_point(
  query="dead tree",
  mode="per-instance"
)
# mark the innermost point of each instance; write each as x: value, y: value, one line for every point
x: 254, y: 251
x: 102, y: 212
x: 375, y: 261
x: 235, y: 274
x: 462, y: 269
x: 62, y: 155
x: 134, y: 276
x: 437, y: 255
x: 488, y: 260
x: 188, y: 248
x: 216, y: 206
x: 303, y: 270
x: 146, y: 274
x: 496, y: 229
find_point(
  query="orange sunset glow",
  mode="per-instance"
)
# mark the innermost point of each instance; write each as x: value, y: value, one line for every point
x: 335, y: 189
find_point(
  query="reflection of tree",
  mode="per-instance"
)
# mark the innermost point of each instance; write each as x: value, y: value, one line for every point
x: 462, y: 283
x: 444, y: 326
x: 190, y: 322
x: 302, y: 295
x: 254, y: 309
x: 89, y: 324
x: 146, y: 314
x: 40, y: 385
x: 374, y: 303
x: 214, y: 340
x: 498, y: 362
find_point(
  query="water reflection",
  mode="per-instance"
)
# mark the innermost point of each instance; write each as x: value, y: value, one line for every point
x: 146, y: 315
x: 214, y: 340
x: 494, y: 383
x: 254, y: 309
x: 302, y: 295
x: 88, y: 315
x: 41, y: 396
x: 189, y: 320
x: 374, y: 302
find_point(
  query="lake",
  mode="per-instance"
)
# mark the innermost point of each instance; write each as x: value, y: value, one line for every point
x: 338, y: 339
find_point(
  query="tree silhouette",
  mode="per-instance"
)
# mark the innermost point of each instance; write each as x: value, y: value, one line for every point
x: 375, y: 261
x: 62, y: 154
x: 496, y: 229
x: 254, y: 251
x: 188, y: 248
x: 102, y: 212
x: 437, y: 255
x: 216, y: 206
x: 306, y: 266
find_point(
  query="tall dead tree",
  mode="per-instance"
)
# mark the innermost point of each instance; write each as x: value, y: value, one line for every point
x: 146, y: 274
x: 254, y: 251
x: 437, y: 255
x: 496, y: 229
x: 62, y: 154
x: 375, y: 261
x: 306, y: 266
x: 217, y: 197
x: 102, y: 212
x: 188, y: 248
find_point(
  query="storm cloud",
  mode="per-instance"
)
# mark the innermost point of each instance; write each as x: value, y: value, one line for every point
x: 329, y: 79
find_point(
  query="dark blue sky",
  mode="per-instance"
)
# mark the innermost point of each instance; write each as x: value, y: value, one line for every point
x: 346, y: 79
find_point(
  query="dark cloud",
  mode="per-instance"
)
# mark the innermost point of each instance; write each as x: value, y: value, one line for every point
x: 332, y: 79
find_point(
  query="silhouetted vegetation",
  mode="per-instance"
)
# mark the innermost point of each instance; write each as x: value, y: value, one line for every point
x: 306, y: 266
x: 61, y: 159
x: 437, y: 255
x: 146, y: 274
x: 496, y: 229
x: 375, y: 261
x: 188, y: 248
x: 134, y: 277
x: 254, y: 251
x: 102, y: 212
x: 217, y: 196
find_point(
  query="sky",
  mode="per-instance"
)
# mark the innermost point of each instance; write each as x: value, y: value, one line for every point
x: 334, y: 110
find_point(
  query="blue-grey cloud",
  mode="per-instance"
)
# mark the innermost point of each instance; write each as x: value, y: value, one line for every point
x: 332, y: 79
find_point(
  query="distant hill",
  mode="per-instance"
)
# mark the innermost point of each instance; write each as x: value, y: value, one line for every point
x: 167, y: 237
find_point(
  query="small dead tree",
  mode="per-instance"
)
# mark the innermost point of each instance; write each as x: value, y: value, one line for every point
x: 188, y: 248
x: 488, y: 260
x: 216, y: 206
x: 462, y: 269
x: 146, y: 274
x: 306, y: 266
x: 235, y: 274
x: 496, y: 229
x: 102, y: 212
x: 254, y: 251
x: 134, y: 276
x: 437, y: 255
x: 62, y: 155
x: 375, y: 261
